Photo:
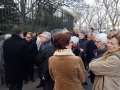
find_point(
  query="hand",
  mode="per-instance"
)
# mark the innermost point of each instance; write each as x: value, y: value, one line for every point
x: 81, y: 50
x: 43, y: 78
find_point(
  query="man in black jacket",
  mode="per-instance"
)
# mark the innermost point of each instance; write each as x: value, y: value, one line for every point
x: 41, y: 60
x: 15, y: 56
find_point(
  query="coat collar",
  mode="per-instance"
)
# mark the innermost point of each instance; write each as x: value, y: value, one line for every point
x: 64, y: 52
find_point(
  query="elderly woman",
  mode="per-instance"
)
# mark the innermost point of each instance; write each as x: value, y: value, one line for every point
x: 107, y: 67
x: 41, y: 60
x: 101, y: 43
x: 66, y: 69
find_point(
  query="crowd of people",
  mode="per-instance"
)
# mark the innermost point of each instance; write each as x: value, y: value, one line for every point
x: 62, y: 59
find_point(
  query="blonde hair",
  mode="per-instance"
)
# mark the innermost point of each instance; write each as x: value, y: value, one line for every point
x: 31, y: 34
x: 115, y: 34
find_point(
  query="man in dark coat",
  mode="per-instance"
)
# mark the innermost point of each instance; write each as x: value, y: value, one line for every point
x: 15, y: 56
x: 90, y: 47
x: 41, y: 60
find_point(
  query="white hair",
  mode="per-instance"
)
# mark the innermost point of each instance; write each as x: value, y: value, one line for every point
x: 102, y: 37
x: 75, y: 40
x: 95, y: 33
x: 47, y: 35
x: 7, y: 36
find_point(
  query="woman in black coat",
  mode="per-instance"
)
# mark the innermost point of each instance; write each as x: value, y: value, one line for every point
x: 33, y: 51
x: 82, y: 45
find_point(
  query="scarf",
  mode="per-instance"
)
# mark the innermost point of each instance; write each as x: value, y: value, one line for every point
x: 107, y: 54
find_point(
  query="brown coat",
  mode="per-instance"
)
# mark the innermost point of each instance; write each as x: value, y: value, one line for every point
x: 107, y: 73
x: 67, y: 70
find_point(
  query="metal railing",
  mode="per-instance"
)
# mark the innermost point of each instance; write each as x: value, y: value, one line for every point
x: 30, y: 17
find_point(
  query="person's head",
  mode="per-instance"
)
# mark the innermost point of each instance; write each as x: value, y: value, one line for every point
x: 91, y: 30
x: 101, y: 40
x: 94, y: 34
x: 63, y: 41
x: 17, y: 31
x: 76, y: 30
x: 24, y: 34
x: 45, y: 36
x: 29, y: 36
x: 75, y: 40
x: 40, y: 32
x: 81, y: 34
x: 89, y: 36
x: 7, y: 36
x: 113, y: 41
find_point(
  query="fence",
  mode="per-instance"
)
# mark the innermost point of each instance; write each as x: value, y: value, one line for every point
x: 31, y: 16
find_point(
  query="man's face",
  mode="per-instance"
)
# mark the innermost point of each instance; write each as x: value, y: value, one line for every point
x: 90, y: 30
x: 76, y: 31
x: 43, y: 38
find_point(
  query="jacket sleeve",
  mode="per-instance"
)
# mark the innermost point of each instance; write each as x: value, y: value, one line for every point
x: 39, y: 57
x: 24, y: 53
x: 34, y: 51
x: 81, y: 70
x: 45, y: 67
x: 107, y: 67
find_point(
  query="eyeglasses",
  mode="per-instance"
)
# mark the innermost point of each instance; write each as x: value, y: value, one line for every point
x: 97, y: 41
x: 71, y: 42
x: 28, y: 37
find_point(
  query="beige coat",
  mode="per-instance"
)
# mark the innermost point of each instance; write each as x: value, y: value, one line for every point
x: 107, y: 71
x: 67, y: 70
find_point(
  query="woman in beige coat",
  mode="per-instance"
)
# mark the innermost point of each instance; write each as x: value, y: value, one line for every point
x: 66, y: 69
x: 107, y: 68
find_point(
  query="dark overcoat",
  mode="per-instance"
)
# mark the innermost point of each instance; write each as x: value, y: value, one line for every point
x: 16, y: 57
x: 45, y: 52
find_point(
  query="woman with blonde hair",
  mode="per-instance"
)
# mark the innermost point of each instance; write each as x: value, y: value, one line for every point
x: 32, y: 47
x: 107, y: 67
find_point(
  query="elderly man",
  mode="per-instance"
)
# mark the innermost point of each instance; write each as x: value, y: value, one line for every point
x: 41, y: 60
x: 76, y: 32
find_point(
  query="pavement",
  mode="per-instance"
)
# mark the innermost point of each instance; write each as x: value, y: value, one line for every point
x: 32, y: 85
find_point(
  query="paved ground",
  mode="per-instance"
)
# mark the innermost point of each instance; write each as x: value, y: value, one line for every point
x: 32, y: 85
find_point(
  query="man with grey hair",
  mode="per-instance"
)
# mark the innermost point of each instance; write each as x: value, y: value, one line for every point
x: 90, y: 47
x: 41, y: 61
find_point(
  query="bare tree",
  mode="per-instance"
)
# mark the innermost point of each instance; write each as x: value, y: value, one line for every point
x: 100, y: 13
x: 113, y: 10
x: 91, y: 15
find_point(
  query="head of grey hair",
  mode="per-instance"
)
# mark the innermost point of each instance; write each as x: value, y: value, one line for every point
x: 47, y: 35
x: 102, y: 37
x: 95, y: 33
x: 7, y: 36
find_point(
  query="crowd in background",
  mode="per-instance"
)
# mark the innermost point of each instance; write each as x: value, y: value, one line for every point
x: 62, y: 59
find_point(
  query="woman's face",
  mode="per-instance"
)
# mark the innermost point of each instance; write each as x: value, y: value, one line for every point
x: 113, y: 45
x: 81, y: 36
x: 99, y: 44
x: 28, y: 38
x: 70, y: 45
